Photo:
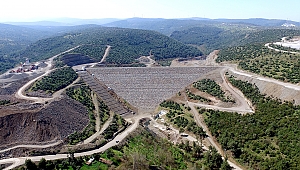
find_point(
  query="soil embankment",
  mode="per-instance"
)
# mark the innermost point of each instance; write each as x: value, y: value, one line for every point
x: 55, y: 121
x: 272, y: 88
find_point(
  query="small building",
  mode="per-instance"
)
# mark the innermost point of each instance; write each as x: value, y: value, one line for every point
x: 90, y: 161
x: 161, y: 113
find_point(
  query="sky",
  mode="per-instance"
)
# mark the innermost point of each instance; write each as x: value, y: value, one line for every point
x: 37, y: 10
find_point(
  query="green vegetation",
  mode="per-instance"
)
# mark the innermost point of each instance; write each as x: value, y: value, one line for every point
x: 103, y: 111
x: 171, y: 105
x: 267, y: 139
x: 211, y: 87
x: 166, y: 62
x: 280, y: 47
x: 4, y: 102
x: 83, y: 95
x: 57, y: 80
x: 196, y: 97
x: 181, y: 118
x: 223, y: 36
x: 94, y: 51
x: 145, y: 151
x: 71, y: 163
x: 13, y: 40
x: 141, y: 150
x: 117, y: 124
x: 261, y: 60
x: 127, y: 45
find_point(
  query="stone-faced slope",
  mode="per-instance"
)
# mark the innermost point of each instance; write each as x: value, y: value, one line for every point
x: 145, y: 88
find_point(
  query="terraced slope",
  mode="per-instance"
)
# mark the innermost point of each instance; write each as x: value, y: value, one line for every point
x: 145, y: 88
x: 102, y: 92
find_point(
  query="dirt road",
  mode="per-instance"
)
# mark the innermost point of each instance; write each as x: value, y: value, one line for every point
x: 95, y: 135
x: 244, y: 106
x: 47, y: 70
x: 200, y: 122
x: 268, y: 45
x: 32, y: 146
x: 255, y: 76
x: 105, y: 54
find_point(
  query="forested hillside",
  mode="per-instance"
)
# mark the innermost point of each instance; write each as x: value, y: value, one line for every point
x: 261, y: 60
x: 164, y: 26
x: 14, y: 39
x: 268, y: 139
x: 217, y: 37
x: 127, y: 45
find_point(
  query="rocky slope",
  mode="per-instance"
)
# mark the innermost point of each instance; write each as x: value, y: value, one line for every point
x: 53, y: 122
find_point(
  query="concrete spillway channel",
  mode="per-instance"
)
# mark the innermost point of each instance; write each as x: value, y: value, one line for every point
x: 103, y: 93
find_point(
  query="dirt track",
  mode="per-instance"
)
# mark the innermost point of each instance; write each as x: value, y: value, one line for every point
x: 47, y: 70
x: 105, y: 54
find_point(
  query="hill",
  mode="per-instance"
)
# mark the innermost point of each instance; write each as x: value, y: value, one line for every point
x: 14, y: 40
x: 127, y: 45
x: 164, y: 26
x: 214, y: 37
x: 260, y: 22
x: 15, y: 37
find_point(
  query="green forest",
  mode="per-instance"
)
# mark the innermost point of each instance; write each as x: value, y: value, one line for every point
x: 268, y: 139
x: 261, y: 60
x: 127, y: 45
x: 211, y: 87
x: 94, y: 51
x: 56, y: 80
x: 220, y: 37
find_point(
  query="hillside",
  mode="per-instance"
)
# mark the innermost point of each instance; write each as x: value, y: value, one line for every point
x: 260, y: 22
x: 164, y: 26
x: 211, y: 38
x: 127, y: 45
x: 15, y: 38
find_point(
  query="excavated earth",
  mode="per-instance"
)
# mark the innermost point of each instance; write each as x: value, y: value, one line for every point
x: 272, y: 89
x: 49, y: 123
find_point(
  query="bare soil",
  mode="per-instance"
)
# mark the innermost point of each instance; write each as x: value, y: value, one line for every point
x: 51, y: 122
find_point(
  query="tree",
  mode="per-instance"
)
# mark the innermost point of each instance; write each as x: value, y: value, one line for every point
x: 225, y: 165
x: 212, y: 159
x: 30, y: 165
x: 42, y: 164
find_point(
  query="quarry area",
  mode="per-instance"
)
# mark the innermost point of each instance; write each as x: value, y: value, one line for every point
x: 292, y: 43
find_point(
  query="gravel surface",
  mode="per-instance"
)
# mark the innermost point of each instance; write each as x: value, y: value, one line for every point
x: 145, y: 88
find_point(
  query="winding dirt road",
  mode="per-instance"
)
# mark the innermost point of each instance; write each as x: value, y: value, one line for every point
x: 95, y: 135
x: 268, y: 45
x: 243, y: 105
x: 200, y: 122
x: 32, y: 146
x: 48, y: 70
